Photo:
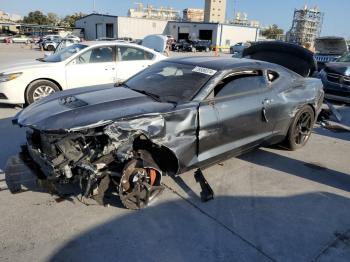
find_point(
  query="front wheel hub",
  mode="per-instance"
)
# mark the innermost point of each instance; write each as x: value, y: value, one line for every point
x: 139, y: 185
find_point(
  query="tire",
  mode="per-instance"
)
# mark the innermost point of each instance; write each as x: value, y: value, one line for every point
x: 50, y: 48
x: 39, y: 89
x: 300, y: 130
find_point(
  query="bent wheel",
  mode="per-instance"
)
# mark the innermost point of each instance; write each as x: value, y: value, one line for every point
x: 301, y: 128
x: 139, y: 185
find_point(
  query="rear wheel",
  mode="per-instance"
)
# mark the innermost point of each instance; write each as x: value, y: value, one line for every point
x: 301, y: 128
x: 139, y: 185
x: 39, y: 89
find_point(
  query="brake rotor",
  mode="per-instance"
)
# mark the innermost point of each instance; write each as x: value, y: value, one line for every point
x: 138, y: 185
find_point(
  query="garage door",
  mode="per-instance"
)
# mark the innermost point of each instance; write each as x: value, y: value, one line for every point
x: 99, y: 31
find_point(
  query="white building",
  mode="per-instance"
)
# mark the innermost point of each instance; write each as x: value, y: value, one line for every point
x: 218, y: 34
x: 97, y: 25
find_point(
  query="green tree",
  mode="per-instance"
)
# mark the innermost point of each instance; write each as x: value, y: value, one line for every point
x: 69, y: 20
x: 272, y: 32
x: 35, y: 17
x: 52, y: 19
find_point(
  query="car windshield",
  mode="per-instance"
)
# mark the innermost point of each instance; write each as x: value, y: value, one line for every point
x: 344, y: 58
x: 171, y: 82
x: 64, y: 53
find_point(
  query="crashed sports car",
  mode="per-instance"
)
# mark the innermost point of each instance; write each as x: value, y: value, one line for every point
x: 176, y: 115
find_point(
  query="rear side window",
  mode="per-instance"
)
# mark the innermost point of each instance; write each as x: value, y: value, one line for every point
x: 131, y: 54
x: 272, y: 76
x: 240, y: 83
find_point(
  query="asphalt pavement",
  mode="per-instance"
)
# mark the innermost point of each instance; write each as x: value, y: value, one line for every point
x: 270, y: 205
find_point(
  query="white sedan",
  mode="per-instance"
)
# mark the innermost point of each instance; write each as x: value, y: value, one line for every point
x: 81, y: 64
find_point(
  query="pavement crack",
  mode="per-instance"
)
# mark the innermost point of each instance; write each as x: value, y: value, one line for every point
x: 220, y: 223
x: 338, y: 237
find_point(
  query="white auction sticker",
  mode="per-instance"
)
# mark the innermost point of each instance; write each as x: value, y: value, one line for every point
x: 204, y: 70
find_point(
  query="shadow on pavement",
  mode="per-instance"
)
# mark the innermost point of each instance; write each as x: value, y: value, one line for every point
x: 11, y: 138
x: 294, y: 228
x: 311, y: 171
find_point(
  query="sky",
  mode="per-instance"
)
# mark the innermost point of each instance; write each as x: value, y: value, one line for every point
x: 336, y: 20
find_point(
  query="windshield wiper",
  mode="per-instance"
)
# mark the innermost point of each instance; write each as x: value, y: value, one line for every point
x: 154, y: 96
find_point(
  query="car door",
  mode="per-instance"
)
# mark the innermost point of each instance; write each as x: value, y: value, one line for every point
x: 95, y: 66
x: 236, y: 116
x: 131, y: 60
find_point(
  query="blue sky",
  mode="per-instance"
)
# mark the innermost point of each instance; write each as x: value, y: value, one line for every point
x: 336, y: 21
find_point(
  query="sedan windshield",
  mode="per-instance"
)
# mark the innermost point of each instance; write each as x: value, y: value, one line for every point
x: 344, y: 58
x: 64, y: 53
x: 171, y: 82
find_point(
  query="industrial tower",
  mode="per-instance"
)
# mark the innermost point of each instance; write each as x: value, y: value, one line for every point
x: 306, y: 27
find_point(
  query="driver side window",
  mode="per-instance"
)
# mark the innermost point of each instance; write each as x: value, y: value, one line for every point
x: 240, y: 82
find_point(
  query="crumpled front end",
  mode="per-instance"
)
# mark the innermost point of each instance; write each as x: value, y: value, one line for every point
x: 87, y: 155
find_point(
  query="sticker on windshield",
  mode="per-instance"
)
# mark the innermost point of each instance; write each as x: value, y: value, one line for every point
x: 204, y: 70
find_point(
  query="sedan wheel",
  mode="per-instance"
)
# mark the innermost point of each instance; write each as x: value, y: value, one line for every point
x: 301, y: 128
x: 50, y: 48
x: 40, y: 89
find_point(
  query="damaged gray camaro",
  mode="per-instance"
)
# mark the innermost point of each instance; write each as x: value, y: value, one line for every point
x: 176, y: 115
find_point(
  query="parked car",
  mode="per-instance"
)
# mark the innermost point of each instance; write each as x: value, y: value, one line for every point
x: 202, y: 45
x: 336, y: 79
x: 182, y: 45
x: 65, y: 43
x: 108, y: 39
x: 22, y: 39
x: 329, y: 49
x: 3, y: 38
x: 50, y: 45
x: 73, y: 37
x: 49, y: 38
x: 237, y: 49
x: 82, y: 64
x: 176, y: 115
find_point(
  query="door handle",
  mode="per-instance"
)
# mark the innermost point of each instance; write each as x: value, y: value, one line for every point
x: 264, y: 115
x: 267, y: 101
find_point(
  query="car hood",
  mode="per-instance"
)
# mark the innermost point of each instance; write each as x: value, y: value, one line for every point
x: 23, y: 65
x: 342, y: 68
x: 87, y: 107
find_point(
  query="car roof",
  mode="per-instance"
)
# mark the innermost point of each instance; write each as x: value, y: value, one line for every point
x: 217, y: 63
x: 102, y: 43
x: 120, y: 43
